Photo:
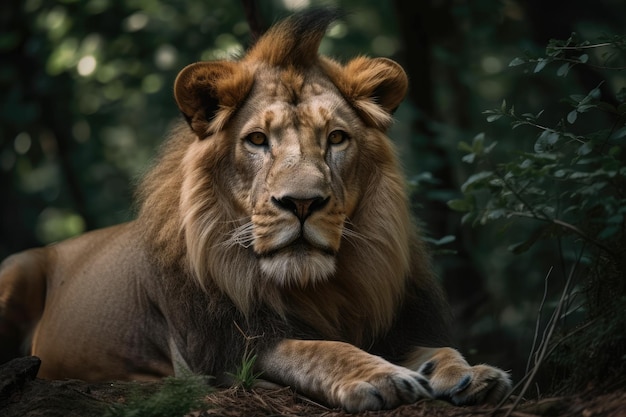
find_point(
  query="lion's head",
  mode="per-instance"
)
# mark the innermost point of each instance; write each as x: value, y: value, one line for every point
x: 282, y: 187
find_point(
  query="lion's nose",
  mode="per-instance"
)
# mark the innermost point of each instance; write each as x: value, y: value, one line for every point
x: 301, y: 207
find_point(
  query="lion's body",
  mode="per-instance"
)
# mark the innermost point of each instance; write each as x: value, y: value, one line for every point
x: 80, y: 302
x: 276, y: 216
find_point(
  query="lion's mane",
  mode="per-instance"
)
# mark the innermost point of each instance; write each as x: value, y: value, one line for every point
x: 189, y: 206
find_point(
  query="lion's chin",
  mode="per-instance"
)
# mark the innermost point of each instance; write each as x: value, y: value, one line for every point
x: 298, y: 269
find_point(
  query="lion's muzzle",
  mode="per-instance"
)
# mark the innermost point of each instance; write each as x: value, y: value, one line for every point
x: 299, y: 242
x: 302, y: 208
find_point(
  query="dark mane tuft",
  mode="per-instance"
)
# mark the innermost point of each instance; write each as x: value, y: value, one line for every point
x: 295, y: 40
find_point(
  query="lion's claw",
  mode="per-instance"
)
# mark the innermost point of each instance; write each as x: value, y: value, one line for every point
x: 385, y: 391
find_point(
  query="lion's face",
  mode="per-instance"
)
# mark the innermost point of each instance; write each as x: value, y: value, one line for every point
x: 291, y: 180
x: 296, y: 152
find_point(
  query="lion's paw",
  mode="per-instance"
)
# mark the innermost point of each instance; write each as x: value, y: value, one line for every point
x: 383, y: 390
x: 454, y: 380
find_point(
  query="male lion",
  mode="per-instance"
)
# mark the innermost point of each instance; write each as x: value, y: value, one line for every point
x: 277, y: 208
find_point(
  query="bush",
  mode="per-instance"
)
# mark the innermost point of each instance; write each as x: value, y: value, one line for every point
x: 571, y: 184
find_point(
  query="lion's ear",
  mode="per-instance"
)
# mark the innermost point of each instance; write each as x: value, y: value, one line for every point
x: 208, y: 93
x: 374, y: 86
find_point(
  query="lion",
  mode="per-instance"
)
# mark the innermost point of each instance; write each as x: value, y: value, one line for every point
x: 276, y: 219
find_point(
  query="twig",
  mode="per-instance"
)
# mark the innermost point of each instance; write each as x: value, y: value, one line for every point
x: 544, y: 351
x: 567, y: 336
x: 561, y: 223
x: 574, y: 48
x: 541, y: 305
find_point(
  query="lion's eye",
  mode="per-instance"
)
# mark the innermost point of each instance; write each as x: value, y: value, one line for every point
x: 257, y: 139
x: 337, y: 137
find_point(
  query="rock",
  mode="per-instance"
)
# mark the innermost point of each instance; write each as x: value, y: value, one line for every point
x: 23, y: 395
x: 42, y: 397
x: 15, y: 374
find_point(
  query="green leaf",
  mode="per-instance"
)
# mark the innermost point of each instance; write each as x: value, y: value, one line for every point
x: 460, y: 205
x: 527, y: 163
x: 520, y: 247
x: 495, y: 214
x: 493, y: 117
x: 541, y: 63
x: 595, y: 93
x: 608, y: 232
x: 583, y: 58
x: 579, y: 175
x: 464, y: 146
x: 586, y: 107
x: 516, y: 61
x: 477, y: 142
x: 490, y: 147
x: 469, y: 158
x: 618, y: 134
x: 468, y: 217
x: 571, y: 116
x: 443, y: 241
x: 615, y: 150
x: 585, y: 149
x: 476, y: 179
x: 590, y: 190
x: 563, y: 70
x: 496, y: 182
x: 546, y: 141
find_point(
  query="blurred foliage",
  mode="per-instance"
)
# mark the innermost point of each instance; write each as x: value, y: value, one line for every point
x: 572, y: 185
x: 86, y: 100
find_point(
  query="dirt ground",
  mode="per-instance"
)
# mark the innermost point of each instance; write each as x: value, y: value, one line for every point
x: 23, y: 395
x: 286, y: 403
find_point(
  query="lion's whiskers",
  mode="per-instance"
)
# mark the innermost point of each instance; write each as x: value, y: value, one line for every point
x: 351, y: 235
x: 241, y: 235
x: 239, y: 220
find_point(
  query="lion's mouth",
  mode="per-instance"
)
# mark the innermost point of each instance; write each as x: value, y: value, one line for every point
x: 299, y: 246
x: 300, y: 262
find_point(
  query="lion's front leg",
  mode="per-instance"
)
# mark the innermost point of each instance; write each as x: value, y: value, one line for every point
x: 453, y: 379
x: 342, y: 375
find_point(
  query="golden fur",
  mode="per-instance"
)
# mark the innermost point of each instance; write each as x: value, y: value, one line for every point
x: 378, y: 248
x: 278, y: 208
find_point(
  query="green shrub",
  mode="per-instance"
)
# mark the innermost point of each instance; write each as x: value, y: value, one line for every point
x: 571, y: 184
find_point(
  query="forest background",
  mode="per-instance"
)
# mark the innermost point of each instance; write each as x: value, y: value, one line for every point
x: 528, y: 234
